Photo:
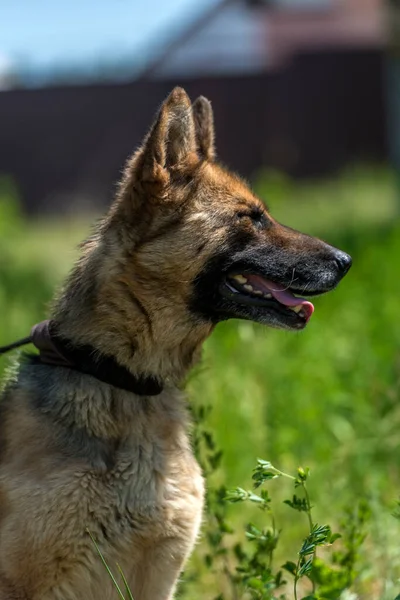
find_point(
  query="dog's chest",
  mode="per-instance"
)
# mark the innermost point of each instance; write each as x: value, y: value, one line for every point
x: 151, y: 488
x: 152, y: 494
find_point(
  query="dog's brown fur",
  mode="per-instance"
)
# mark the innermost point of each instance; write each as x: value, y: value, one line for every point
x: 79, y: 454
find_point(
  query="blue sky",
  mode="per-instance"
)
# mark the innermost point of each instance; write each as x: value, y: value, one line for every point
x: 40, y: 35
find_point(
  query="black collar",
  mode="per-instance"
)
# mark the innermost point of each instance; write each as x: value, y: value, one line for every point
x: 56, y: 350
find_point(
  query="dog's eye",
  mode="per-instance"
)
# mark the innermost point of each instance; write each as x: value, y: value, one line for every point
x: 256, y: 216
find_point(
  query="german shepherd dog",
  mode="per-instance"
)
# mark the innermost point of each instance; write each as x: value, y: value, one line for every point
x: 97, y: 440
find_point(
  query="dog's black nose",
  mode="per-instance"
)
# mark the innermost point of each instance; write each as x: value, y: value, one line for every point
x: 343, y: 261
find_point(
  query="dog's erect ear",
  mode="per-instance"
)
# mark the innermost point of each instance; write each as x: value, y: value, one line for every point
x: 204, y: 123
x: 170, y: 149
x: 171, y: 142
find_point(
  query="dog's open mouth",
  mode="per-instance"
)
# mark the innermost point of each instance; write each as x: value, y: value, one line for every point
x: 255, y: 290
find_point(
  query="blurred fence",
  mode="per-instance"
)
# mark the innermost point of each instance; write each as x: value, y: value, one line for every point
x: 319, y: 113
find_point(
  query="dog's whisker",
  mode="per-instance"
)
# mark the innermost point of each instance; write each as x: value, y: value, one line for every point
x: 290, y: 284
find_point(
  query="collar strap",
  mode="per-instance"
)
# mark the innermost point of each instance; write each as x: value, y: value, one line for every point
x: 59, y: 351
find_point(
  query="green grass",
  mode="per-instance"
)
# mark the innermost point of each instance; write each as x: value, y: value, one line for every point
x: 326, y: 398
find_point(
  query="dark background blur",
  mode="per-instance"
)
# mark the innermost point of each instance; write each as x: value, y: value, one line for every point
x: 297, y: 85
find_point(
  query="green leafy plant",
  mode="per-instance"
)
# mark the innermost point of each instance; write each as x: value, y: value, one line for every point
x: 328, y: 577
x: 249, y: 569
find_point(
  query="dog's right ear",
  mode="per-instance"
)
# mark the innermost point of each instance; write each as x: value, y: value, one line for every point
x: 204, y: 123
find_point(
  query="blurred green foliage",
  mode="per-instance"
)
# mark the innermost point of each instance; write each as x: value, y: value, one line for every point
x: 326, y: 397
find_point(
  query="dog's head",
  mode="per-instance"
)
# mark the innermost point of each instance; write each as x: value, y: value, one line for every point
x: 203, y: 240
x: 185, y: 245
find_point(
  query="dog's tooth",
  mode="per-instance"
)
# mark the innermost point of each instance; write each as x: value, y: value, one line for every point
x: 258, y: 292
x: 248, y: 288
x: 239, y: 278
x: 267, y: 296
x: 296, y: 309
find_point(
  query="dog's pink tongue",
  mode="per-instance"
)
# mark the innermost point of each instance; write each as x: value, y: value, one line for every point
x: 280, y: 293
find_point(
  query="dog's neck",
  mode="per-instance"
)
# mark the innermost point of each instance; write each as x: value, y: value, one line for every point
x: 56, y: 350
x: 130, y: 348
x: 95, y: 313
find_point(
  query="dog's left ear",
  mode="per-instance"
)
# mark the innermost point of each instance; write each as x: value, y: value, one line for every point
x: 204, y: 123
x: 170, y: 149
